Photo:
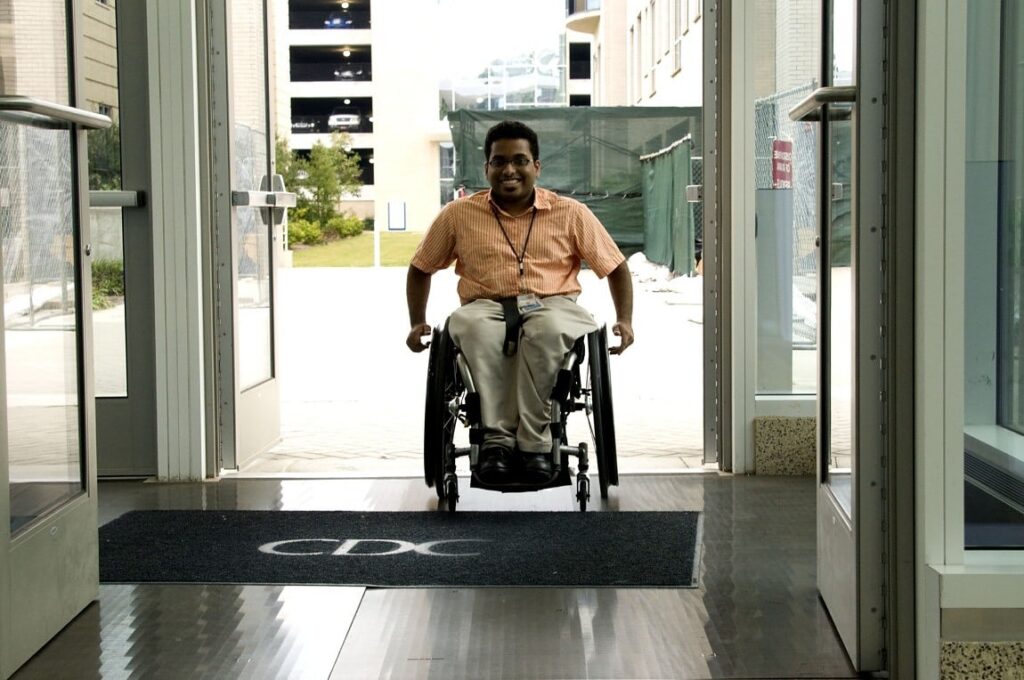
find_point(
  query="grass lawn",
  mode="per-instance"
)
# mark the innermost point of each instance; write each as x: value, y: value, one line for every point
x: 396, y: 249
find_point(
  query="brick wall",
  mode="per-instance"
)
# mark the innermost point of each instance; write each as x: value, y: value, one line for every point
x: 798, y: 42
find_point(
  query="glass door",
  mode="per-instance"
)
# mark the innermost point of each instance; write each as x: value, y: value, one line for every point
x: 48, y: 542
x: 849, y: 110
x: 249, y: 234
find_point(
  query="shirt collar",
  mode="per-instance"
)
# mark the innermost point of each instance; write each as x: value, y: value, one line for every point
x: 542, y: 199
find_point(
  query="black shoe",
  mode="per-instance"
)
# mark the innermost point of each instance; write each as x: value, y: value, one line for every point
x: 536, y: 468
x: 494, y: 465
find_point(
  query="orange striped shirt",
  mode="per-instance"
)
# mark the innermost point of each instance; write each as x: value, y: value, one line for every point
x: 565, y: 232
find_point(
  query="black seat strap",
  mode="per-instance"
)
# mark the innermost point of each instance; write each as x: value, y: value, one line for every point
x: 513, y: 320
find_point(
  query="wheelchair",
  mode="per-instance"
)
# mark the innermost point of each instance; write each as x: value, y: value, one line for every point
x: 452, y: 399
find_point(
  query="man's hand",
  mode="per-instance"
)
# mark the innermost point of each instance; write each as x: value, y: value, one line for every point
x: 414, y: 342
x: 624, y: 330
x: 620, y: 283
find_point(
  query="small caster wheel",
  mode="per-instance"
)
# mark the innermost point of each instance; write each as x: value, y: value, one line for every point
x: 583, y: 492
x: 451, y: 493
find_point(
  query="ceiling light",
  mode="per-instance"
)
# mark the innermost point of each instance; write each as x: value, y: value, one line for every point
x: 346, y: 53
x: 348, y: 101
x: 344, y: 5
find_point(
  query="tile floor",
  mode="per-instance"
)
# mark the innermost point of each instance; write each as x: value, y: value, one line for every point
x: 755, y: 614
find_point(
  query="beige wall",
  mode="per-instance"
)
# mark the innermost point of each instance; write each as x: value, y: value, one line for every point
x: 676, y: 77
x: 279, y: 67
x: 406, y: 128
x: 35, y: 57
x: 611, y: 85
x: 99, y: 49
x: 796, y: 56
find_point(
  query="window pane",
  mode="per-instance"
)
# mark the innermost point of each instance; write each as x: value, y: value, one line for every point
x: 99, y: 32
x: 252, y: 228
x: 786, y: 205
x: 994, y: 232
x: 33, y: 59
x: 40, y: 319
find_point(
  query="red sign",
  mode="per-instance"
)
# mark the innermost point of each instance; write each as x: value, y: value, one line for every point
x: 782, y: 164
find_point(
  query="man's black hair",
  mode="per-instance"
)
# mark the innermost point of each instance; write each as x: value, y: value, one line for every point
x: 511, y: 129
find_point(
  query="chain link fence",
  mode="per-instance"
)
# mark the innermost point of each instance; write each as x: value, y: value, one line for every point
x: 771, y: 122
x: 36, y: 237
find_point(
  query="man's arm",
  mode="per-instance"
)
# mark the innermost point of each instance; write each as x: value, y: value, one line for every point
x: 620, y: 284
x: 417, y: 290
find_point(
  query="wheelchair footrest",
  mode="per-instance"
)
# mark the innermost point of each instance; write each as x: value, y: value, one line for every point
x: 560, y: 478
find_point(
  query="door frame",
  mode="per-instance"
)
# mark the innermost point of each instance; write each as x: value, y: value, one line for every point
x: 126, y: 426
x: 898, y: 245
x: 714, y: 65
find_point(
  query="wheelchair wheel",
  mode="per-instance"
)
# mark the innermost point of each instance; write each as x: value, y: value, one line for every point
x: 451, y: 492
x: 439, y: 423
x: 583, y: 492
x: 599, y: 382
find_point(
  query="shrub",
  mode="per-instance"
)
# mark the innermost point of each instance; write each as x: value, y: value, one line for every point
x: 107, y: 282
x: 304, y: 232
x: 344, y: 226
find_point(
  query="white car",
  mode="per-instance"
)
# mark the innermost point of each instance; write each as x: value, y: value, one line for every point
x: 344, y: 119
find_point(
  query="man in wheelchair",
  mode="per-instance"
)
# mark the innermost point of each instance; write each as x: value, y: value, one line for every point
x: 517, y: 250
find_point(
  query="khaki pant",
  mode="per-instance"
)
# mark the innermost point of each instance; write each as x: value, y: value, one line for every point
x: 515, y: 392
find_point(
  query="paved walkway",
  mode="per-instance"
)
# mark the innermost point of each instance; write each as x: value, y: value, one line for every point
x: 352, y: 395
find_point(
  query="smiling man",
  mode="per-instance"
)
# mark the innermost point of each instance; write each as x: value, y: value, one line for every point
x: 517, y: 250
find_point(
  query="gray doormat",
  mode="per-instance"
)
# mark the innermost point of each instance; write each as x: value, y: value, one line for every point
x: 402, y: 549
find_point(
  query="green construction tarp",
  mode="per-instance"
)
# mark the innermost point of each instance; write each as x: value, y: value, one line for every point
x: 668, y: 217
x: 591, y: 153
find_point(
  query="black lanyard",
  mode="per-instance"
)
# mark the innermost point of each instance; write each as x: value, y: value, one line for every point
x: 519, y: 258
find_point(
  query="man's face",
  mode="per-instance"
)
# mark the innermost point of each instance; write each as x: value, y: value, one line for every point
x: 512, y: 171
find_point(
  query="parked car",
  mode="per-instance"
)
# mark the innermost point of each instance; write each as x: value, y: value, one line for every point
x: 304, y: 124
x: 338, y: 20
x: 344, y: 118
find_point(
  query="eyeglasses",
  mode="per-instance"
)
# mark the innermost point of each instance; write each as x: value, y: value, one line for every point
x: 517, y: 161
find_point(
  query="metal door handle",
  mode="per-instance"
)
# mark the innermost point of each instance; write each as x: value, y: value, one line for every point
x: 117, y: 199
x: 277, y: 197
x: 810, y: 108
x: 31, y: 109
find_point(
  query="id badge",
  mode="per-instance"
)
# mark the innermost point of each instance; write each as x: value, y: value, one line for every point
x: 528, y: 303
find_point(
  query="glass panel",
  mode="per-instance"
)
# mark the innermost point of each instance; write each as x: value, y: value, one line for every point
x: 844, y: 33
x: 994, y: 230
x: 838, y: 227
x: 840, y: 310
x: 40, y: 319
x: 99, y: 32
x: 786, y: 168
x: 110, y: 345
x: 33, y: 59
x: 249, y: 173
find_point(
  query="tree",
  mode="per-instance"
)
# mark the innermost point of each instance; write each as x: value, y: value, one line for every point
x: 105, y: 158
x: 320, y: 181
x: 287, y: 164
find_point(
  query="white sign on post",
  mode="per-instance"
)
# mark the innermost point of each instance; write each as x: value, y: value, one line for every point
x: 396, y: 215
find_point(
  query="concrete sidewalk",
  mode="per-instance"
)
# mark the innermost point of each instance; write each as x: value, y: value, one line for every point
x: 352, y: 394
